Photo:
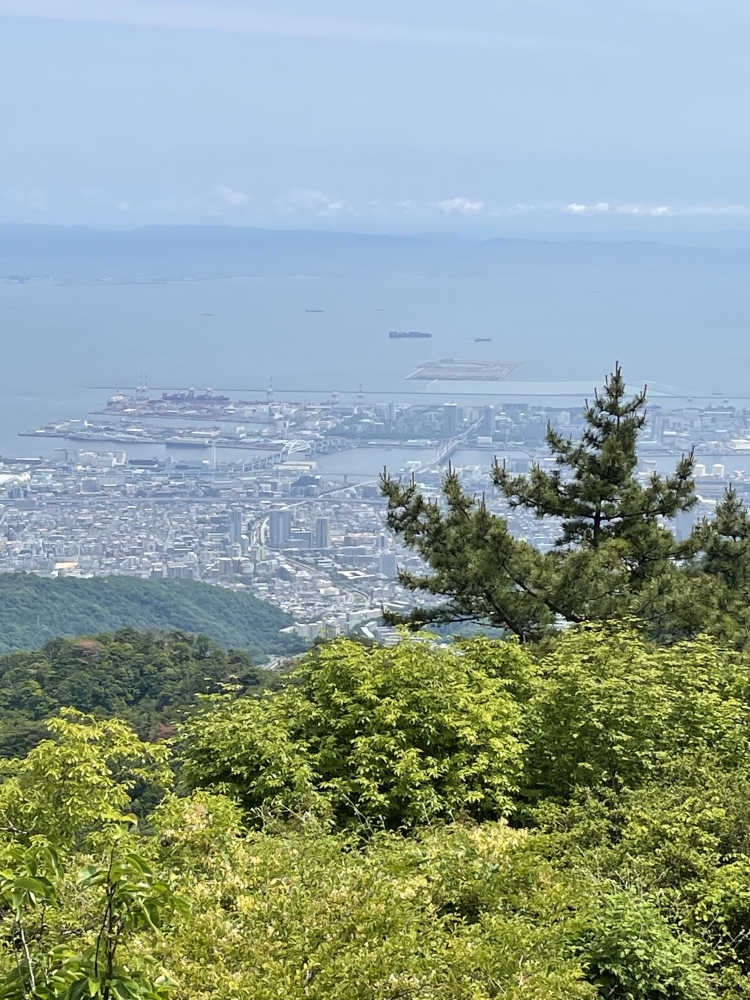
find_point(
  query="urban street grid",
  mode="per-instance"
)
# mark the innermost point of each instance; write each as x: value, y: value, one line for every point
x: 311, y: 542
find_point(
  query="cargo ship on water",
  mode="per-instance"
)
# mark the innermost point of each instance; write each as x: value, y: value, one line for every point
x: 407, y: 334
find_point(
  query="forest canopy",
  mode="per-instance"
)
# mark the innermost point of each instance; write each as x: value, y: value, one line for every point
x: 461, y: 821
x: 35, y: 610
x: 150, y: 679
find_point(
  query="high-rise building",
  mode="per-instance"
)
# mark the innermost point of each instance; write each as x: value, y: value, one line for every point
x: 488, y: 421
x: 684, y: 523
x: 280, y: 524
x: 450, y: 420
x: 322, y: 533
x: 387, y: 564
x: 235, y: 526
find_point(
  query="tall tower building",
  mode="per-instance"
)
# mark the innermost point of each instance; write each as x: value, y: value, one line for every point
x: 488, y: 421
x: 322, y: 533
x: 450, y: 420
x: 235, y: 527
x: 280, y: 523
x: 387, y: 565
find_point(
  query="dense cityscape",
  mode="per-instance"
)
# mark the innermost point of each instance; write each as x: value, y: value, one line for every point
x: 277, y: 427
x: 310, y: 542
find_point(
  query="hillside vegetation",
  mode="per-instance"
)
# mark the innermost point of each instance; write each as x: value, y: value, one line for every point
x: 34, y: 610
x: 469, y: 821
x: 150, y: 679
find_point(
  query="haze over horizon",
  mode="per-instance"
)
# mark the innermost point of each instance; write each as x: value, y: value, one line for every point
x: 495, y: 118
x: 243, y: 161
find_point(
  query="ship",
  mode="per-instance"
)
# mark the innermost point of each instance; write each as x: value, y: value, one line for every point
x: 190, y: 396
x: 407, y: 335
x: 483, y: 340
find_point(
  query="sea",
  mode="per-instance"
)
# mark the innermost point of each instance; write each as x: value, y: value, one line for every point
x: 674, y: 316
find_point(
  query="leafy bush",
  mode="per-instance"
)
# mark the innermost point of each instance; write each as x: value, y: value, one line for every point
x: 611, y: 708
x: 395, y: 737
x: 306, y: 914
x: 631, y: 953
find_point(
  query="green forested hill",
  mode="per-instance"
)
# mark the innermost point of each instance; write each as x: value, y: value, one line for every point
x: 34, y: 610
x: 149, y: 678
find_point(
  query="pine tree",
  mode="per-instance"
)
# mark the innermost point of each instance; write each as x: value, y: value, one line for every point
x: 614, y: 555
x: 594, y: 490
x: 713, y: 595
x: 721, y: 547
x: 485, y: 573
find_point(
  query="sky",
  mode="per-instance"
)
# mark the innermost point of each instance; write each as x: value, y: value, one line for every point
x: 481, y: 117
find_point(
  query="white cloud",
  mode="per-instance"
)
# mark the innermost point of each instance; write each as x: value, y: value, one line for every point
x: 656, y: 210
x: 636, y: 209
x: 303, y: 200
x: 518, y: 209
x: 232, y: 198
x: 462, y: 205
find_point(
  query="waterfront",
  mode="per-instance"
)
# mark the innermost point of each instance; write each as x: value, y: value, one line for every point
x: 563, y: 314
x: 282, y: 495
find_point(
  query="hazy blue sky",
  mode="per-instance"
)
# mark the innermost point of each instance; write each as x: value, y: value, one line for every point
x: 417, y: 115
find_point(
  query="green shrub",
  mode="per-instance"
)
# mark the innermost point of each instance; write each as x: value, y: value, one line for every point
x: 396, y: 737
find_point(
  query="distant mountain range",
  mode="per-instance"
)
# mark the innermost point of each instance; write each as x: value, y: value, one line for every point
x: 171, y: 253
